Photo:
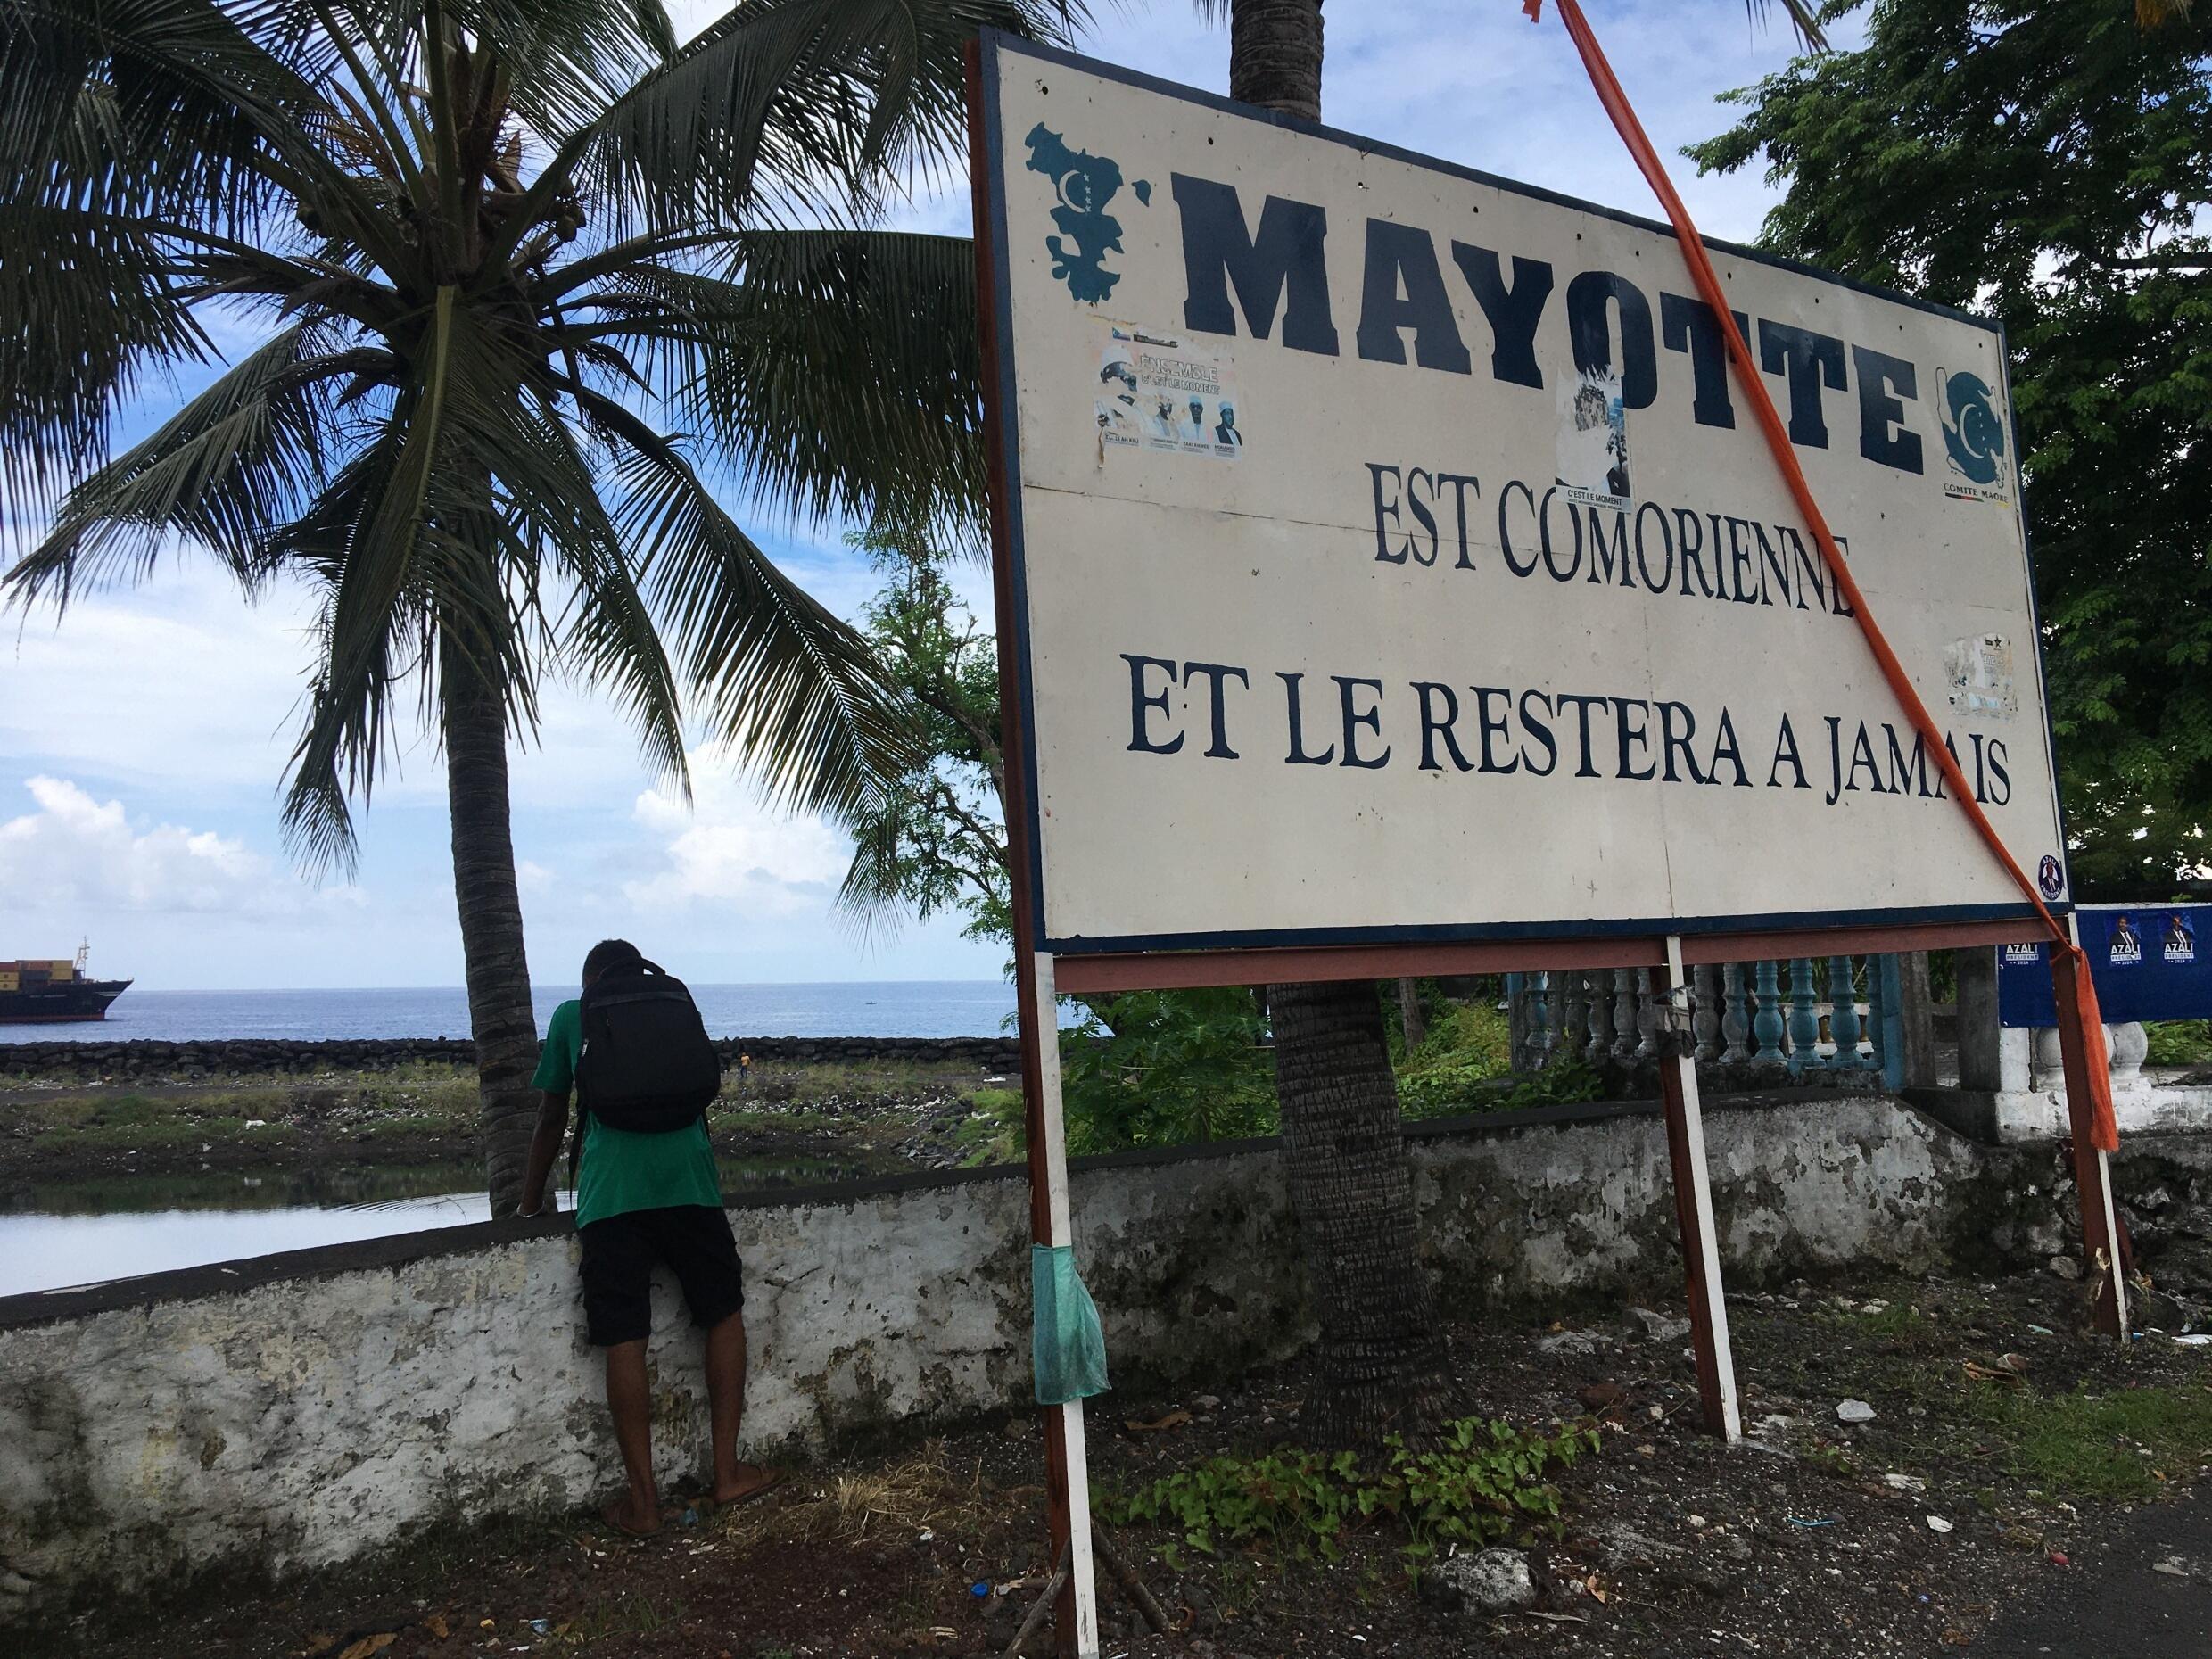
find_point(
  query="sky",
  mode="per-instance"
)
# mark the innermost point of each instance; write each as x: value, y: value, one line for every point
x: 143, y: 737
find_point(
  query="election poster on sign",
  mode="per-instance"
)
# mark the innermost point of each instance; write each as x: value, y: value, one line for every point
x: 1393, y: 558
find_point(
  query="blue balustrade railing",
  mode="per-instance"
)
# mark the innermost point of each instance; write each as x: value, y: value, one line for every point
x: 1806, y: 1018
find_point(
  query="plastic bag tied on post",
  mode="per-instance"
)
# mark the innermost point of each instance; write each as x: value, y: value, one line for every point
x: 1066, y: 1338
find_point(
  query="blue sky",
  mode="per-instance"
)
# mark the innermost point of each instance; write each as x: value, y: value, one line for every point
x: 141, y: 741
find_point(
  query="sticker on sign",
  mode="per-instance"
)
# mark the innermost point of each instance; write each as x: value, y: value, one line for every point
x: 1393, y: 557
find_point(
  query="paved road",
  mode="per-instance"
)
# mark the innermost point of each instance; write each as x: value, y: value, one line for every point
x: 2118, y: 1605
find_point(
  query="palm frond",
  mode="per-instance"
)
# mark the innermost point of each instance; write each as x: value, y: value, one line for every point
x: 788, y: 104
x: 789, y: 688
x: 1803, y: 18
x: 837, y: 368
x: 227, y: 472
x: 564, y: 61
x: 119, y: 122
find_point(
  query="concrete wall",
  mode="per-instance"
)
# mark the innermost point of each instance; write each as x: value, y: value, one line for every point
x: 300, y: 1410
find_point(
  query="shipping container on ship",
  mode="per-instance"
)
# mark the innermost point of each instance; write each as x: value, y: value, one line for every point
x: 37, y: 992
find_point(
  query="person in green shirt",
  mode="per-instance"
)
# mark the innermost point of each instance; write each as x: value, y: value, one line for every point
x: 642, y: 1199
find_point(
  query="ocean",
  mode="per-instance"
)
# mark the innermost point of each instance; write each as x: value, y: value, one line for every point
x: 918, y: 1007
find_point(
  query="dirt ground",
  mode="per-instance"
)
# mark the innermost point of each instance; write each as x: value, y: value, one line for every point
x: 2009, y: 1466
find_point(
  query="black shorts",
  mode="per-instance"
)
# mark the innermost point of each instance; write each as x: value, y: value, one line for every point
x: 694, y: 1240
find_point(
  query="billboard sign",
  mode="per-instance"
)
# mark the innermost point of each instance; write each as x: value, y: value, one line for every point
x: 1392, y: 558
x: 2146, y: 959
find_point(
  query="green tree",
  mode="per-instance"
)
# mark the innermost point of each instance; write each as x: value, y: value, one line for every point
x: 515, y: 261
x: 2048, y: 164
x: 933, y: 839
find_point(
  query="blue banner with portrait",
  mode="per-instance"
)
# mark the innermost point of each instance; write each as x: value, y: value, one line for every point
x: 2145, y: 958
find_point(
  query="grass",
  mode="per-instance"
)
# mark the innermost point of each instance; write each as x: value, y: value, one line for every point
x: 418, y: 1100
x: 2117, y: 1440
x: 376, y: 1106
x: 781, y: 1082
x: 754, y: 1119
x: 610, y: 1616
x: 2119, y: 1447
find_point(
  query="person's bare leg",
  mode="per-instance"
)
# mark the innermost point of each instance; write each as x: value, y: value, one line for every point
x: 630, y: 1397
x: 734, y: 1481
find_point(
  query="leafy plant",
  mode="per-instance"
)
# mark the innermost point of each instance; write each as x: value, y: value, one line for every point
x: 1165, y: 1068
x: 2179, y: 1042
x: 1464, y: 1065
x: 1482, y: 1482
x: 933, y: 839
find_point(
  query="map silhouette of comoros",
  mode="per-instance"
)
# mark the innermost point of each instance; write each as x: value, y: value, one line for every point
x: 1085, y: 184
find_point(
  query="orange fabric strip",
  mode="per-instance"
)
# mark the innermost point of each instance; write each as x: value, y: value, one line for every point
x: 2070, y: 967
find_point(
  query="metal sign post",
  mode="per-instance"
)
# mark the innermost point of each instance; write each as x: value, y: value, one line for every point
x: 1693, y: 1207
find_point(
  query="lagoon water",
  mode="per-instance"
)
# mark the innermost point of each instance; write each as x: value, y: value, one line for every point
x: 56, y: 1235
x: 918, y: 1008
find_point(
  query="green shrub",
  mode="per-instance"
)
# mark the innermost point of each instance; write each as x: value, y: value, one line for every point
x: 2179, y: 1042
x: 1165, y: 1068
x: 1484, y: 1482
x: 1464, y: 1064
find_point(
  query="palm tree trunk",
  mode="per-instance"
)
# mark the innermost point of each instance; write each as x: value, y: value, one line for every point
x: 1381, y: 1357
x: 1275, y: 55
x: 474, y: 718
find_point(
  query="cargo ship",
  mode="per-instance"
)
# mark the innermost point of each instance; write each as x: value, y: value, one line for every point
x: 39, y: 993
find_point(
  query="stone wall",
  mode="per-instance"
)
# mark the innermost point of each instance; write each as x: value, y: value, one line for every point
x: 153, y: 1062
x: 302, y: 1409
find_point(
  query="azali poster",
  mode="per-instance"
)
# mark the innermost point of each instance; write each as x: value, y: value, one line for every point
x: 1394, y: 561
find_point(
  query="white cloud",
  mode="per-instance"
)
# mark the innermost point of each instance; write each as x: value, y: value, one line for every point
x: 78, y: 851
x: 729, y: 853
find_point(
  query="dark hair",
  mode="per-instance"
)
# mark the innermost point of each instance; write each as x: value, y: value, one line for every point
x: 606, y: 955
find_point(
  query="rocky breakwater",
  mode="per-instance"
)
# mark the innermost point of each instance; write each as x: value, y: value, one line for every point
x: 148, y: 1062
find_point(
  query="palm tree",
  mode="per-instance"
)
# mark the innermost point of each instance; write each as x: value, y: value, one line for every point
x: 513, y: 262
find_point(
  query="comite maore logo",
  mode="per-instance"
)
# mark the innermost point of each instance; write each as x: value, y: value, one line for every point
x: 1974, y: 438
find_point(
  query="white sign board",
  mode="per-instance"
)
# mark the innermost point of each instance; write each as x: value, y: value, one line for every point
x: 1394, y: 558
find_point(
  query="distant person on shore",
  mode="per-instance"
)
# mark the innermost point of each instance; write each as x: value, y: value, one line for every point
x: 644, y: 1071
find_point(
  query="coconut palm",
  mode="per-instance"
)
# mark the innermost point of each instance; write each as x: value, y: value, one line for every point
x: 527, y: 279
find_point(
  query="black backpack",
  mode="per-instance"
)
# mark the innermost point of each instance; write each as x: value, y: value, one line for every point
x: 647, y: 1065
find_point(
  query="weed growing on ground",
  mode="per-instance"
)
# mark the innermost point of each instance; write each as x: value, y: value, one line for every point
x: 992, y: 1131
x: 2119, y: 1447
x: 1464, y: 1065
x: 610, y: 1616
x: 1483, y: 1482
